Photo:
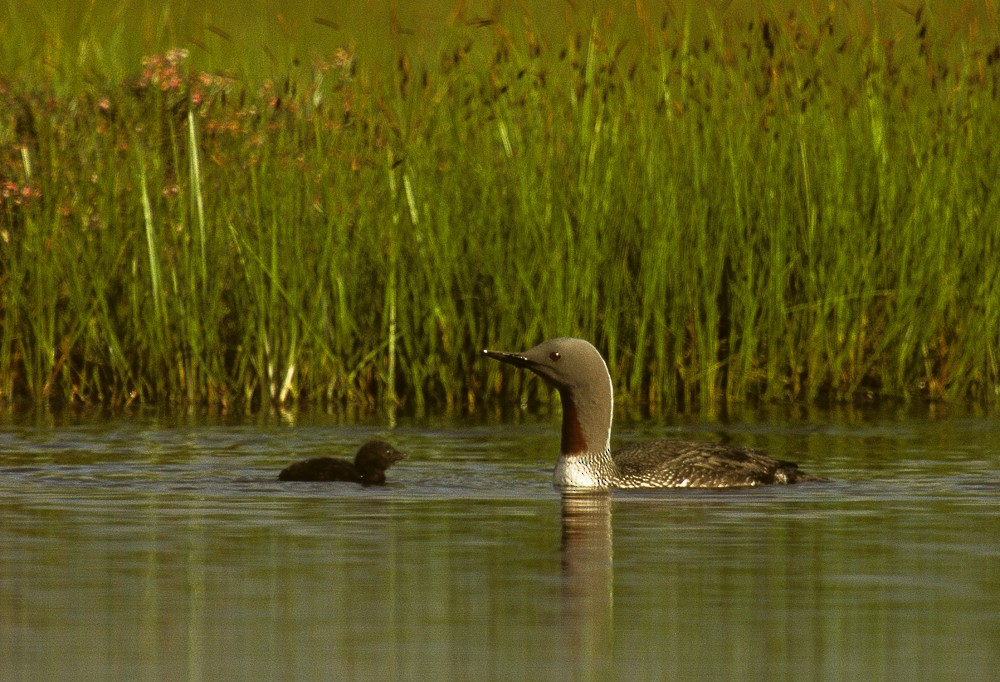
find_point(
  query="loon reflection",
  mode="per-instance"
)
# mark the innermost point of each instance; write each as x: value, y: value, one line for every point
x: 588, y: 582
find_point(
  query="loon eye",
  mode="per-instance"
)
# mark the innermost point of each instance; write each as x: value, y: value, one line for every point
x: 554, y: 356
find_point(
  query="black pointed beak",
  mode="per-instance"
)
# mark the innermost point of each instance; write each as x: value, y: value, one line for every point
x: 516, y: 359
x: 397, y: 455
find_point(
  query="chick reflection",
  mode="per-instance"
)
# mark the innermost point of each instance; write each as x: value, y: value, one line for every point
x: 587, y: 581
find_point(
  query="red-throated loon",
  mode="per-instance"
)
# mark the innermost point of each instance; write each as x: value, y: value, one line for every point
x: 368, y: 467
x: 577, y: 370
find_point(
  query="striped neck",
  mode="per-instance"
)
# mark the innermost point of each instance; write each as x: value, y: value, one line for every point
x: 586, y: 470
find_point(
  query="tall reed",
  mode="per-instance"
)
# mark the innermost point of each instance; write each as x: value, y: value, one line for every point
x: 778, y: 207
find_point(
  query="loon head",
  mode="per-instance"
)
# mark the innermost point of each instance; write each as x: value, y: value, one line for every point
x: 374, y: 458
x: 577, y: 370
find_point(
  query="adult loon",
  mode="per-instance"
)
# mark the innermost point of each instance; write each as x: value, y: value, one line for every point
x: 368, y: 467
x: 577, y: 370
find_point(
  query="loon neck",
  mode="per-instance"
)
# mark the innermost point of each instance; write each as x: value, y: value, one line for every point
x: 585, y: 456
x: 587, y: 408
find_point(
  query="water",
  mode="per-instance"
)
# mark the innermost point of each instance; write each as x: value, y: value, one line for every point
x: 145, y: 549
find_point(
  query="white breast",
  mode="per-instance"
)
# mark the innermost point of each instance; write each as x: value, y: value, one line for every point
x: 571, y: 472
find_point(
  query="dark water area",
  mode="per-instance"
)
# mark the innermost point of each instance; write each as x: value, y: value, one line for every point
x: 147, y: 548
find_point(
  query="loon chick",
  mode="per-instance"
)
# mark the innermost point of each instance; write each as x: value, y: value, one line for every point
x: 368, y: 467
x: 577, y: 370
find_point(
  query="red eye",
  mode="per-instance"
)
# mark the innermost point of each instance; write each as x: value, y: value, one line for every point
x: 554, y: 356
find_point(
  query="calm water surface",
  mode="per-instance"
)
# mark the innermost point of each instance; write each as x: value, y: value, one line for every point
x: 150, y: 549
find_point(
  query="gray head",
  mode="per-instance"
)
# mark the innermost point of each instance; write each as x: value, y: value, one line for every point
x: 577, y: 370
x: 375, y: 457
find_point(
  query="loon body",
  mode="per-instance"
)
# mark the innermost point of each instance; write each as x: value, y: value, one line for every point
x: 577, y: 370
x: 368, y: 467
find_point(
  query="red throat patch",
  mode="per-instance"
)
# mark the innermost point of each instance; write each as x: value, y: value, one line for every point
x: 572, y: 435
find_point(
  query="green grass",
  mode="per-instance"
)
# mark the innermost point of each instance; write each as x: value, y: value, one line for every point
x: 774, y: 206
